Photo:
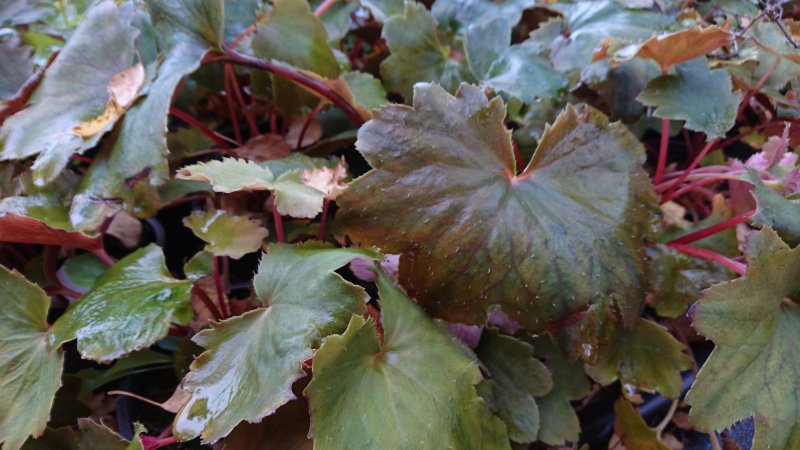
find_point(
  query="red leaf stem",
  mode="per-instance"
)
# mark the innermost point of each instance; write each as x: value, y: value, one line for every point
x: 662, y: 151
x: 226, y: 79
x: 223, y: 305
x: 296, y: 76
x: 213, y: 135
x: 713, y: 229
x: 237, y: 90
x: 692, y: 166
x: 737, y: 267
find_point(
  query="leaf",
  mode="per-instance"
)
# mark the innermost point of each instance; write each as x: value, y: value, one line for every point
x: 122, y: 91
x: 384, y: 9
x: 327, y: 180
x: 676, y: 97
x: 60, y: 438
x: 774, y: 210
x: 669, y: 50
x: 417, y: 54
x: 264, y: 147
x: 130, y: 307
x: 292, y: 196
x: 96, y: 436
x: 754, y: 322
x: 80, y: 272
x: 586, y: 24
x: 416, y: 386
x: 251, y: 360
x: 558, y: 420
x: 292, y: 34
x: 367, y: 90
x: 461, y: 14
x: 21, y: 229
x: 443, y: 191
x: 633, y: 431
x: 646, y: 357
x: 16, y: 66
x: 127, y: 171
x: 71, y: 92
x: 677, y: 279
x: 23, y: 12
x: 30, y: 366
x: 517, y: 378
x: 517, y: 70
x: 201, y: 19
x: 225, y: 234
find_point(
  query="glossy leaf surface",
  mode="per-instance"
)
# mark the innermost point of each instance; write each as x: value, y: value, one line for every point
x: 225, y: 234
x: 416, y: 386
x: 30, y: 366
x: 252, y: 360
x: 130, y: 307
x: 542, y: 244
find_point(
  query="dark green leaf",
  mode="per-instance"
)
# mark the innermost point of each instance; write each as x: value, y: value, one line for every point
x: 414, y: 389
x: 700, y: 96
x: 418, y: 55
x: 517, y: 378
x: 16, y: 65
x: 444, y: 191
x: 460, y: 14
x: 30, y: 365
x: 644, y: 356
x: 201, y: 19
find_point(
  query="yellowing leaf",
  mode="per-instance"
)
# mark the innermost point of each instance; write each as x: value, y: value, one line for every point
x: 123, y: 89
x: 326, y: 179
x: 226, y: 235
x: 633, y: 431
x: 669, y: 50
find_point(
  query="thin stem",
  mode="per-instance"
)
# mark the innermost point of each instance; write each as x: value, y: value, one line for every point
x: 101, y: 254
x: 662, y: 151
x: 207, y: 301
x: 307, y: 123
x: 223, y: 305
x: 226, y: 79
x: 219, y: 139
x: 737, y: 267
x: 518, y: 157
x: 276, y: 216
x: 665, y: 421
x: 712, y: 436
x: 324, y: 6
x: 246, y: 32
x: 297, y: 76
x: 322, y: 220
x: 690, y: 187
x: 758, y: 85
x: 237, y: 90
x: 692, y: 166
x: 713, y: 229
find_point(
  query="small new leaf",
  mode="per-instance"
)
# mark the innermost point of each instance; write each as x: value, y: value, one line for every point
x: 226, y: 235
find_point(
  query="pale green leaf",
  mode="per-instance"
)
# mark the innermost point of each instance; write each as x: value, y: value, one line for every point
x: 754, y: 322
x: 418, y: 55
x: 367, y: 90
x: 292, y: 196
x: 96, y: 436
x: 644, y: 356
x: 461, y: 14
x: 517, y: 378
x: 225, y: 234
x: 252, y: 360
x: 130, y: 307
x: 30, y: 365
x: 71, y: 92
x: 542, y: 245
x: 700, y: 96
x: 414, y: 389
x: 382, y: 10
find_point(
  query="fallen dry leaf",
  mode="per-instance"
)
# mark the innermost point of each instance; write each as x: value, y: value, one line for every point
x: 265, y: 147
x: 326, y: 179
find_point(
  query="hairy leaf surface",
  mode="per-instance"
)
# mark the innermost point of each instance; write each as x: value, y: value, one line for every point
x: 543, y: 244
